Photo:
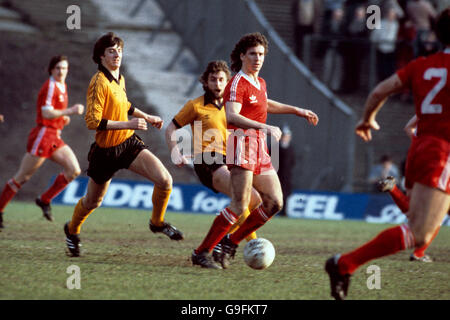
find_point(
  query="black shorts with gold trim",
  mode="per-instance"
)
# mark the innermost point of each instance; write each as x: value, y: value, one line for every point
x: 105, y: 162
x: 205, y: 164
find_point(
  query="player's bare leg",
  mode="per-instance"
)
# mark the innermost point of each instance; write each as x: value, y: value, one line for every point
x: 85, y: 206
x: 268, y: 186
x: 402, y: 201
x: 428, y: 207
x: 241, y: 190
x: 65, y: 157
x: 29, y: 165
x: 148, y: 165
x: 222, y: 182
x: 95, y: 194
x: 27, y: 168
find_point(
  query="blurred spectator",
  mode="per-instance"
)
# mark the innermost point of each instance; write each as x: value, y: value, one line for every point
x: 305, y: 14
x: 354, y: 49
x: 2, y: 118
x: 440, y: 5
x: 329, y: 7
x: 333, y: 65
x: 380, y: 171
x: 385, y: 40
x: 405, y: 38
x: 286, y: 165
x: 430, y: 45
x: 405, y: 52
x: 327, y: 24
x: 422, y: 15
x: 385, y: 5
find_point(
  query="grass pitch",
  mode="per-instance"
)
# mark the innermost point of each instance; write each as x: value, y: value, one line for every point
x: 122, y: 259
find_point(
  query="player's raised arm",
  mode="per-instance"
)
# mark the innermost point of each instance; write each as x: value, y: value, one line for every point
x: 282, y: 108
x: 374, y: 103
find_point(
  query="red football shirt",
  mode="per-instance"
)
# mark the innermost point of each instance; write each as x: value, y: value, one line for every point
x: 250, y: 94
x: 52, y: 95
x: 428, y: 78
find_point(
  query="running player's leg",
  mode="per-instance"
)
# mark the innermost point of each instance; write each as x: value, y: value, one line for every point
x: 268, y: 186
x: 402, y: 201
x: 65, y: 157
x: 148, y: 165
x: 29, y: 165
x: 85, y: 206
x: 428, y: 207
x: 241, y: 182
x: 221, y: 180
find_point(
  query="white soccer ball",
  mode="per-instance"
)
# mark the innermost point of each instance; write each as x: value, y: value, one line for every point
x: 259, y: 253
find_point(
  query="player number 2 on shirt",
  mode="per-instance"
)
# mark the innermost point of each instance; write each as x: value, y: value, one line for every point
x: 441, y: 73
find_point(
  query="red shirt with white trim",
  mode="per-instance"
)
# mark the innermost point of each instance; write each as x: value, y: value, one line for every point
x: 250, y: 94
x: 429, y: 80
x: 53, y: 95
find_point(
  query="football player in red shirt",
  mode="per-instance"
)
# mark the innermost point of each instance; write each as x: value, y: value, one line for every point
x: 428, y: 163
x: 250, y: 165
x: 402, y: 200
x: 44, y: 140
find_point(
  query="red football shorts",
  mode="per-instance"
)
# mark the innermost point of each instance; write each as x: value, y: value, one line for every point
x: 43, y: 141
x: 428, y: 163
x: 249, y: 152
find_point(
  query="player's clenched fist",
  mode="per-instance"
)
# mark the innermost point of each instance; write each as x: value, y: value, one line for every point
x: 138, y: 124
x: 77, y: 109
x: 155, y: 121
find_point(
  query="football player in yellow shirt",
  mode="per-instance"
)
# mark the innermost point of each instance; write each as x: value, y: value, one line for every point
x: 116, y: 145
x: 206, y: 115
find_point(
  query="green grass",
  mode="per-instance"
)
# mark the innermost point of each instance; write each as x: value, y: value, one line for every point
x: 122, y: 259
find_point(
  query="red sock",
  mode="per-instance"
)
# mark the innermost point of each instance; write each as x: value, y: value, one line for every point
x: 385, y: 243
x: 222, y: 223
x: 400, y: 199
x: 420, y: 252
x: 255, y: 220
x: 58, y: 185
x: 9, y: 191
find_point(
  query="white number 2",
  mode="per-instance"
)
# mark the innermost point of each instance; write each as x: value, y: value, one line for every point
x: 427, y: 107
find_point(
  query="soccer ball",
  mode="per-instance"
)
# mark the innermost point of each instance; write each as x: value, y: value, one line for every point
x: 259, y: 253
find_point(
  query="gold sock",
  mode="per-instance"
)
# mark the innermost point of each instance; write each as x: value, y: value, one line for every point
x: 239, y: 222
x: 160, y: 199
x: 79, y: 216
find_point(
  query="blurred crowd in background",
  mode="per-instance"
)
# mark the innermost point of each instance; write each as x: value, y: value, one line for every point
x: 342, y: 37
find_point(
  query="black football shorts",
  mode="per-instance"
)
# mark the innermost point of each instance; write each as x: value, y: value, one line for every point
x: 105, y: 162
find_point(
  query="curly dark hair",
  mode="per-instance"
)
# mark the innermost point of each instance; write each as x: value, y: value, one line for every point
x: 214, y: 67
x: 249, y: 40
x: 442, y: 27
x: 108, y: 40
x: 54, y: 61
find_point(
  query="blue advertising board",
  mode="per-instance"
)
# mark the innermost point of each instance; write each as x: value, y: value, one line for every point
x: 373, y: 208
